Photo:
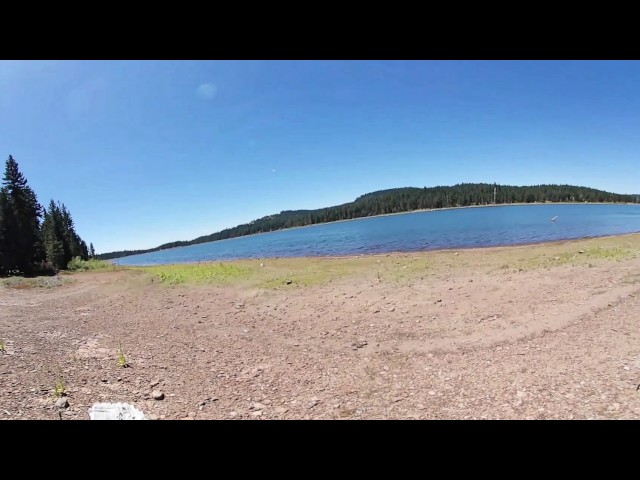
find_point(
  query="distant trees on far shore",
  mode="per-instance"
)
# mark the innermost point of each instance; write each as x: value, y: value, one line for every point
x: 399, y: 200
x: 34, y: 239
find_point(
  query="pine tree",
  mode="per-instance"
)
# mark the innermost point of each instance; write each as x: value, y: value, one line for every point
x: 20, y: 221
x: 60, y: 240
x: 92, y: 252
x: 52, y: 237
x: 3, y: 257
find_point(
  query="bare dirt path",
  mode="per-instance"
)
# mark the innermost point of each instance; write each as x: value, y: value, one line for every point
x: 461, y: 340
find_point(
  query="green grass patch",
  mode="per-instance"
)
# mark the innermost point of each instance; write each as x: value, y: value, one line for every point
x: 79, y: 265
x: 575, y: 252
x: 219, y: 273
x: 274, y: 273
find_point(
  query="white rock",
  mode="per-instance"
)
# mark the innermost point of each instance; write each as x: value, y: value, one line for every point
x: 115, y: 411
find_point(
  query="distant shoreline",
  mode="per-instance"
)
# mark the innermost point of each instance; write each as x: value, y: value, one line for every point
x: 389, y: 215
x: 404, y: 252
x: 433, y: 210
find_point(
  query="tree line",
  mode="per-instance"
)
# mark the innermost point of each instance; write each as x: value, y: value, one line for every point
x: 34, y: 239
x: 399, y: 200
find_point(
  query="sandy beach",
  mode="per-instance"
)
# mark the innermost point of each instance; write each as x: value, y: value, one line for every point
x: 528, y: 332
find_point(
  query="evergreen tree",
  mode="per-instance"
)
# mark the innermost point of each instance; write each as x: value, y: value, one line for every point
x: 3, y: 258
x: 21, y: 215
x: 61, y: 242
x: 92, y: 252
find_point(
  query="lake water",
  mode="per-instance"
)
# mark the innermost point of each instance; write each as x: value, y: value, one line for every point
x: 439, y: 229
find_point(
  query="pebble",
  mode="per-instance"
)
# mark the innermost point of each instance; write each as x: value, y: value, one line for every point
x: 157, y: 395
x: 233, y: 414
x: 154, y: 383
x: 431, y: 392
x: 281, y: 410
x: 392, y: 309
x: 153, y: 417
x: 62, y: 403
x: 257, y: 413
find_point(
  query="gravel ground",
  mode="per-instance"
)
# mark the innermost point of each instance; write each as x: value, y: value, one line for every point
x: 473, y: 341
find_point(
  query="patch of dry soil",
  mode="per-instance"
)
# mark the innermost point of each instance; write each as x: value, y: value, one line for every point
x: 459, y: 344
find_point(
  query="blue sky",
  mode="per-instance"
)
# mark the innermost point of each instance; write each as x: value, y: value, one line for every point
x: 147, y: 152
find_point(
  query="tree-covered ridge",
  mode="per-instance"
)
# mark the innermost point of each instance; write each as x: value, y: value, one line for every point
x: 33, y: 239
x: 403, y: 200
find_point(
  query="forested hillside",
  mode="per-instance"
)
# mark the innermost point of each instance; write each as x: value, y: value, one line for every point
x: 403, y: 200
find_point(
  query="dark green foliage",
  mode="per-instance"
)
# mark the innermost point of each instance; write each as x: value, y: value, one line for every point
x: 92, y: 252
x: 26, y: 246
x: 20, y: 228
x: 402, y: 200
x: 61, y: 242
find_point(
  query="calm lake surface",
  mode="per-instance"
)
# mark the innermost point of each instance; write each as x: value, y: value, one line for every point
x: 440, y: 229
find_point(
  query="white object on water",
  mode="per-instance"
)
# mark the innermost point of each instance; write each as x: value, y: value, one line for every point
x: 115, y: 411
x: 554, y: 218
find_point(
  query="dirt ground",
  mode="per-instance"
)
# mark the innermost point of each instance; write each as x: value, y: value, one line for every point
x: 476, y: 334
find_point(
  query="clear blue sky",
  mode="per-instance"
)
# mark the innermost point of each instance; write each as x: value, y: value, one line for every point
x: 147, y: 152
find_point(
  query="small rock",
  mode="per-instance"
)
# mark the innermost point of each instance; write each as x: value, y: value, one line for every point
x: 154, y: 383
x: 289, y: 282
x: 456, y: 254
x: 257, y: 406
x: 432, y: 393
x: 262, y: 264
x: 157, y: 395
x: 281, y: 410
x: 153, y: 416
x: 233, y: 414
x: 392, y: 309
x: 257, y: 413
x: 580, y: 251
x: 191, y: 414
x: 62, y: 403
x: 375, y: 310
